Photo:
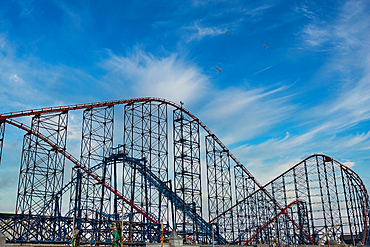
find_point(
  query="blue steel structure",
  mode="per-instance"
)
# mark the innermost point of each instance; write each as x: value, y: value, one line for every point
x: 137, y: 185
x: 142, y: 166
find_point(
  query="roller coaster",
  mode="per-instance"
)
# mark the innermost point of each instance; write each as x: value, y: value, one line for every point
x: 202, y: 191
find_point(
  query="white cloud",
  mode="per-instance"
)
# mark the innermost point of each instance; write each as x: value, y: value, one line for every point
x: 347, y: 66
x: 269, y: 158
x: 358, y: 142
x: 306, y: 11
x: 257, y: 10
x: 25, y: 7
x: 197, y: 31
x: 245, y: 113
x: 74, y: 18
x: 269, y: 67
x: 349, y: 164
x: 168, y: 77
x: 315, y: 35
x: 30, y: 83
x: 197, y: 3
x: 346, y: 33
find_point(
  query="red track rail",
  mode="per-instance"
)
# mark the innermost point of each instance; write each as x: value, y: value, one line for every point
x: 327, y: 158
x: 270, y: 221
x: 280, y: 208
x: 147, y: 99
x: 77, y: 163
x: 118, y: 102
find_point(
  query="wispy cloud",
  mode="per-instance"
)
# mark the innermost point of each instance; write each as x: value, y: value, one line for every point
x: 197, y: 3
x: 346, y: 32
x: 268, y: 159
x: 248, y: 113
x: 349, y: 164
x: 308, y: 9
x: 323, y: 127
x: 166, y: 76
x: 269, y: 67
x: 315, y: 35
x: 28, y: 83
x: 257, y: 10
x: 197, y: 31
x: 25, y: 7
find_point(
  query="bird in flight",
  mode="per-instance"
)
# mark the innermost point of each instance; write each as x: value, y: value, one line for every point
x: 229, y: 32
x: 219, y: 70
x: 265, y: 46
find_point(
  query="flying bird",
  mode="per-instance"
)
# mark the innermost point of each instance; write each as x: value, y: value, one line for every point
x: 219, y: 70
x: 265, y: 46
x: 229, y: 32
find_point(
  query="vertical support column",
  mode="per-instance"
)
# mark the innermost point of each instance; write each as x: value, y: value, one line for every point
x: 276, y: 225
x: 132, y: 133
x: 219, y: 188
x: 2, y: 132
x: 91, y: 200
x: 335, y: 195
x: 329, y: 191
x: 42, y: 167
x: 241, y: 210
x: 323, y: 191
x: 145, y: 136
x: 265, y: 212
x: 187, y: 177
x: 96, y: 142
x: 155, y: 150
x: 310, y: 213
x: 300, y: 216
x: 353, y: 214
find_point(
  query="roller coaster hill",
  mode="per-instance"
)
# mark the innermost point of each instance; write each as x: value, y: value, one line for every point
x: 155, y: 177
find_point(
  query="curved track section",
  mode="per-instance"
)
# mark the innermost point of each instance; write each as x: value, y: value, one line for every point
x: 238, y: 205
x: 333, y: 192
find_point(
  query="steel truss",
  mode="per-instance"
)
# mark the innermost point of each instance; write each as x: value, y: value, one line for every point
x: 88, y: 199
x: 297, y: 207
x: 2, y: 133
x: 145, y: 136
x: 219, y: 188
x: 187, y: 177
x: 58, y: 230
x: 42, y: 167
x: 246, y: 210
x: 332, y: 194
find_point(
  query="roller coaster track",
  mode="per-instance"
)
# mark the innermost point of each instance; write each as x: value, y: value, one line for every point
x: 327, y: 158
x: 161, y: 186
x: 272, y: 220
x: 8, y: 117
x: 140, y: 165
x: 85, y: 169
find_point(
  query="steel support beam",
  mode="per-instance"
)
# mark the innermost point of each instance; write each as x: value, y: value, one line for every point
x: 2, y: 133
x: 219, y: 188
x: 187, y: 177
x: 145, y: 136
x: 42, y: 167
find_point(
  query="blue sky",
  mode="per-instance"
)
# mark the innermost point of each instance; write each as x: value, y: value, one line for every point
x: 307, y: 92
